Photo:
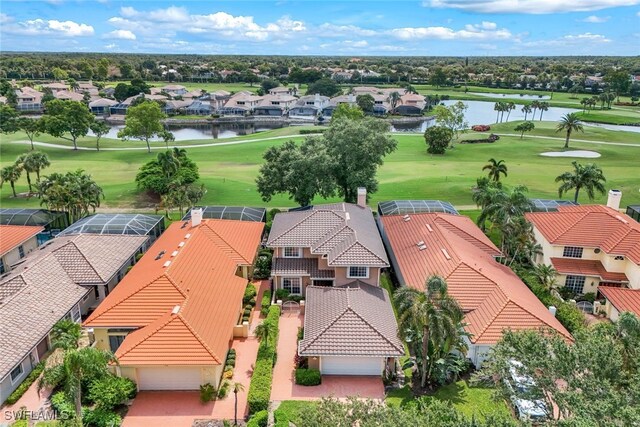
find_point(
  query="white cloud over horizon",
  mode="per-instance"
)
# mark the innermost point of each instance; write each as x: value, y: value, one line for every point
x: 42, y: 27
x: 529, y: 6
x: 120, y: 34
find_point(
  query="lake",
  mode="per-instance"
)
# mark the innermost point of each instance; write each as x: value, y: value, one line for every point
x: 509, y: 95
x: 206, y: 131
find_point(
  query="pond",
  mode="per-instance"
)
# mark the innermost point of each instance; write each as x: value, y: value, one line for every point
x: 206, y: 131
x: 625, y: 128
x: 510, y: 95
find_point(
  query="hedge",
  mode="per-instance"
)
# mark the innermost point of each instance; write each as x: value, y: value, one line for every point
x: 22, y: 388
x: 260, y: 419
x: 568, y: 315
x: 260, y: 387
x: 249, y: 293
x: 308, y: 377
x: 311, y: 131
x: 266, y: 303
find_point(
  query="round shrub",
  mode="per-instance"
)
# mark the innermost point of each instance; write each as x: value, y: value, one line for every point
x: 111, y: 391
x: 100, y: 418
x: 247, y: 312
x: 308, y: 377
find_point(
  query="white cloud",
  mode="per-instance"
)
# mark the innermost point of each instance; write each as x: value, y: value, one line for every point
x: 120, y: 34
x: 5, y: 19
x: 598, y: 38
x: 41, y: 27
x: 529, y: 6
x: 585, y: 40
x: 484, y: 31
x: 332, y: 30
x: 593, y: 19
x: 111, y: 46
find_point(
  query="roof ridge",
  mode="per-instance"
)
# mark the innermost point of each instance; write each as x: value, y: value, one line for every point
x: 445, y: 219
x: 317, y: 336
x: 198, y: 337
x: 73, y: 242
x: 492, y: 318
x: 371, y: 326
x: 583, y: 216
x: 307, y: 216
x: 227, y: 245
x: 149, y: 334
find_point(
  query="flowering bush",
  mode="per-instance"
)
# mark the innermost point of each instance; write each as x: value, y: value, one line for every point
x: 481, y: 128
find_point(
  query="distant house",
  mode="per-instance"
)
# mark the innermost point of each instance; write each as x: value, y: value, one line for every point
x: 62, y: 279
x: 123, y: 106
x: 274, y: 105
x: 174, y: 89
x: 67, y: 95
x: 349, y: 99
x: 87, y: 87
x: 28, y: 100
x: 199, y: 108
x: 101, y: 106
x: 56, y: 86
x: 16, y: 241
x: 240, y: 104
x: 309, y: 106
x: 175, y: 106
x: 282, y: 90
x: 411, y: 104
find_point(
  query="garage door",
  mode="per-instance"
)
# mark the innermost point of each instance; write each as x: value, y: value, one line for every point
x: 169, y: 378
x: 343, y: 365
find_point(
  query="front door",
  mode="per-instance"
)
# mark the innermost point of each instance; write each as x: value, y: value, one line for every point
x: 328, y: 283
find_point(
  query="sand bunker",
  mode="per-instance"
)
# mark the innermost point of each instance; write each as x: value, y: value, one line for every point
x: 575, y: 153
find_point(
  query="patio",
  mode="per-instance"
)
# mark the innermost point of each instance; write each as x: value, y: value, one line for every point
x: 284, y: 386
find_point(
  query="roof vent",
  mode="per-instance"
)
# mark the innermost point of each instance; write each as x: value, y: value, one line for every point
x: 422, y: 247
x: 406, y: 218
x: 160, y: 254
x: 181, y: 244
x: 429, y: 228
x: 420, y: 243
x: 174, y: 253
x: 166, y: 264
x: 446, y: 254
x: 347, y: 216
x: 186, y: 236
x: 175, y: 310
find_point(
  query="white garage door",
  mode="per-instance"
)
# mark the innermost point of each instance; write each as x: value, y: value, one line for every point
x: 169, y: 378
x: 344, y: 365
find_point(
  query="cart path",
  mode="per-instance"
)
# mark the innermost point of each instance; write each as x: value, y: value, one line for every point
x: 275, y: 138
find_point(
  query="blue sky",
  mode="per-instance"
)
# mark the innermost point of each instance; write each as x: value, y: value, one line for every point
x: 430, y: 27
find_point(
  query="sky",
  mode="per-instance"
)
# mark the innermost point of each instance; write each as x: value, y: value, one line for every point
x: 350, y: 28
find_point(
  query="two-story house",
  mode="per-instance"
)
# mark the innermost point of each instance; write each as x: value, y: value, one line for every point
x: 275, y: 105
x: 309, y: 106
x: 332, y: 256
x: 240, y: 103
x: 590, y: 246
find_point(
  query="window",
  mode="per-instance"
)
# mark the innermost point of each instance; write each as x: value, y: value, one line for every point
x: 21, y: 251
x: 358, y: 272
x: 75, y: 314
x: 292, y: 252
x: 575, y: 284
x: 16, y: 373
x: 292, y: 284
x: 115, y: 341
x: 572, y: 252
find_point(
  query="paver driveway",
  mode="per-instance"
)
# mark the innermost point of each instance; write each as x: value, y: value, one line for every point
x: 284, y: 386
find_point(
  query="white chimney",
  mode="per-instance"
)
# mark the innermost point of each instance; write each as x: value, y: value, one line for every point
x: 196, y: 217
x: 362, y: 197
x: 613, y: 201
x: 552, y: 310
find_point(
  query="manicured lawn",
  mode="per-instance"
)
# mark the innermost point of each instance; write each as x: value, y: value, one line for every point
x: 229, y: 171
x: 292, y: 411
x: 620, y: 117
x: 471, y: 401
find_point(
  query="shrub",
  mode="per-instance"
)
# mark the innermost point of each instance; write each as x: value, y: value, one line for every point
x: 249, y: 292
x: 265, y: 303
x: 262, y: 266
x: 62, y: 406
x: 247, y: 312
x: 227, y: 375
x: 111, y: 391
x: 311, y: 131
x: 245, y: 318
x: 308, y: 377
x: 282, y: 294
x: 437, y: 139
x: 300, y: 333
x: 491, y: 139
x: 100, y: 418
x: 480, y: 128
x: 260, y: 419
x: 589, y: 296
x: 207, y: 392
x: 223, y: 391
x: 22, y: 388
x: 571, y: 317
x: 260, y: 387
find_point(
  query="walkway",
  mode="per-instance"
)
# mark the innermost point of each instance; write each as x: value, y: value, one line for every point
x: 181, y: 408
x: 284, y: 386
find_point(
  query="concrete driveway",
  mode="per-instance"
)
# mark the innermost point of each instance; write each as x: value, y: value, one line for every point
x: 284, y: 386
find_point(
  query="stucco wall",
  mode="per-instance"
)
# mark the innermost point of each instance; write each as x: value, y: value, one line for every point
x: 13, y: 255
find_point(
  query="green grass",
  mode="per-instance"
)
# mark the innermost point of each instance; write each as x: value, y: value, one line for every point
x: 471, y: 401
x: 229, y: 171
x: 616, y: 117
x: 292, y: 411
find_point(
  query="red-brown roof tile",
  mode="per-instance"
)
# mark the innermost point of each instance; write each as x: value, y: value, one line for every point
x: 586, y: 267
x: 623, y: 299
x: 12, y: 236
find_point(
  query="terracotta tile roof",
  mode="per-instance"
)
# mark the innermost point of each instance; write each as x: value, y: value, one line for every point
x: 587, y: 267
x: 345, y: 232
x: 12, y: 236
x: 300, y: 267
x: 594, y: 226
x: 45, y: 287
x: 191, y: 267
x: 491, y: 295
x: 623, y: 299
x: 352, y: 320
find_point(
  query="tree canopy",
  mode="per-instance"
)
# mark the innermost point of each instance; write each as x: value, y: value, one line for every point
x: 326, y: 87
x: 169, y: 167
x: 438, y: 139
x: 74, y: 192
x: 143, y: 122
x: 71, y: 118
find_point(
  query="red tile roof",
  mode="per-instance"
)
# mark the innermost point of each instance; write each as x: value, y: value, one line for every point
x: 12, y: 236
x: 491, y: 295
x: 593, y: 226
x: 185, y: 301
x: 623, y: 299
x: 587, y: 267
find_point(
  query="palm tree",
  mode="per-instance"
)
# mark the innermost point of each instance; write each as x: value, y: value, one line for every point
x: 237, y: 387
x: 546, y: 275
x: 169, y: 163
x: 589, y: 177
x: 10, y: 173
x: 584, y: 102
x: 569, y: 123
x: 510, y: 106
x: 65, y: 334
x: 433, y: 316
x: 262, y: 333
x: 38, y: 161
x: 78, y: 367
x: 543, y: 106
x: 499, y: 107
x: 535, y: 105
x: 496, y: 168
x: 526, y: 110
x: 394, y: 100
x: 23, y: 163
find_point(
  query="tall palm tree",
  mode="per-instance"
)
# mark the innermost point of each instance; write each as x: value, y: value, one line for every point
x: 25, y: 164
x: 77, y: 367
x: 237, y: 387
x: 546, y: 275
x: 39, y: 161
x: 526, y: 109
x: 11, y: 174
x: 496, y: 168
x: 510, y: 106
x: 168, y: 163
x: 432, y: 315
x: 499, y: 107
x: 589, y: 176
x: 543, y: 106
x: 66, y: 334
x: 569, y: 123
x: 262, y: 333
x: 394, y: 99
x: 535, y: 105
